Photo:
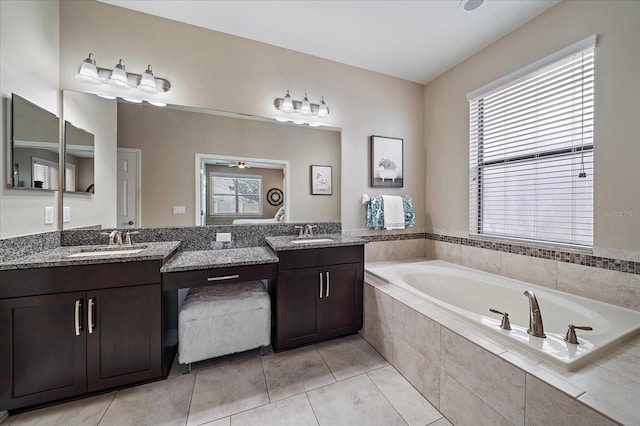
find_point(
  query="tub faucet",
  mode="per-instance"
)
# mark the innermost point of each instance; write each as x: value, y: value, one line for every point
x: 535, y: 316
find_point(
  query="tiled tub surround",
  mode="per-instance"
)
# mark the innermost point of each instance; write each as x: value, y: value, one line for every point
x: 468, y: 374
x: 608, y: 280
x: 469, y: 294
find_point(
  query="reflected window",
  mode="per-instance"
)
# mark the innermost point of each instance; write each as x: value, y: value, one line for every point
x: 44, y: 173
x: 235, y: 195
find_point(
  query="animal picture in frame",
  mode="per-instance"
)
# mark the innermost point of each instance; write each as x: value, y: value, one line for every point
x: 386, y: 166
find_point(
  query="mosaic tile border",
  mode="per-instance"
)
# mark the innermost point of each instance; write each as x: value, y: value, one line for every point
x: 583, y: 259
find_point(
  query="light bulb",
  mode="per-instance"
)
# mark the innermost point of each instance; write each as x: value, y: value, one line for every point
x: 305, y: 108
x: 148, y: 82
x: 119, y: 76
x: 88, y: 71
x: 323, y: 109
x: 287, y: 103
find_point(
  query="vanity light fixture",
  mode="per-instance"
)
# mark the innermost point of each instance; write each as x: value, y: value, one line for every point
x: 304, y: 107
x: 119, y: 77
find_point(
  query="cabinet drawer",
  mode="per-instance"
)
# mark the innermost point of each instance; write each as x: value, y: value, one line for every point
x: 31, y: 282
x: 305, y: 258
x: 204, y: 277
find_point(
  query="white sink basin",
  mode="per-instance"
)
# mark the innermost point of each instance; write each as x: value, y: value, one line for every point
x: 313, y: 240
x: 108, y: 252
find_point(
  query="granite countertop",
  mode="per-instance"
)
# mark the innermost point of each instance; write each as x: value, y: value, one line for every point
x: 207, y: 259
x: 286, y: 242
x: 59, y: 256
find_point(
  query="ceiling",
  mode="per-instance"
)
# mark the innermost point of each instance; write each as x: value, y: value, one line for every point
x: 415, y: 40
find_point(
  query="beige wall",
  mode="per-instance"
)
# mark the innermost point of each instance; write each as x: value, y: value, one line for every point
x: 169, y: 140
x: 617, y: 116
x: 29, y: 52
x: 217, y: 71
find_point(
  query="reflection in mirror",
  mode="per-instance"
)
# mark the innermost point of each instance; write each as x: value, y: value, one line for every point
x: 79, y: 147
x: 242, y: 191
x: 35, y: 146
x: 167, y: 141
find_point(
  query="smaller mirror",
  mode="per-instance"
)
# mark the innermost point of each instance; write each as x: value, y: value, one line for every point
x: 79, y: 148
x: 35, y: 148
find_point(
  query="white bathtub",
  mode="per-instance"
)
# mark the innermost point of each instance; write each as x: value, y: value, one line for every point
x: 469, y: 294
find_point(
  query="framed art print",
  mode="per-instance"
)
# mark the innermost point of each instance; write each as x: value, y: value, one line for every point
x: 321, y: 180
x: 386, y: 162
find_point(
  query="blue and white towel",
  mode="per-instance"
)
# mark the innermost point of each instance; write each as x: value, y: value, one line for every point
x: 375, y: 213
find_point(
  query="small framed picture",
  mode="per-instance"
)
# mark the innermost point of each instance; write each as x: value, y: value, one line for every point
x: 321, y: 180
x: 386, y: 162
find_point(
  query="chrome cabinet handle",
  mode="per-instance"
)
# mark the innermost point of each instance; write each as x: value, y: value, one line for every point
x: 90, y: 324
x: 321, y: 285
x: 76, y: 320
x: 328, y: 284
x: 226, y: 277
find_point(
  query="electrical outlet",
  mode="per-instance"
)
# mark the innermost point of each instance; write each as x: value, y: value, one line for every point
x: 179, y: 210
x: 66, y: 214
x: 48, y: 215
x: 223, y: 236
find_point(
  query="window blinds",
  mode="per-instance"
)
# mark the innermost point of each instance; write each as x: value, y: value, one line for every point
x: 531, y: 154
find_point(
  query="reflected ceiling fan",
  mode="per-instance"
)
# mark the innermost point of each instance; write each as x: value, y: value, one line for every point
x: 240, y: 165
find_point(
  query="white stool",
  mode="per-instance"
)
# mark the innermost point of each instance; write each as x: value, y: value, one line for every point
x: 223, y: 319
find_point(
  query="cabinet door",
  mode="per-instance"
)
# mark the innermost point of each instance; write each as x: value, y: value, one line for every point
x: 342, y: 307
x: 42, y: 349
x: 123, y: 336
x: 298, y: 307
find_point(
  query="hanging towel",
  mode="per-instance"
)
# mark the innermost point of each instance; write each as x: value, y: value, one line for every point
x: 375, y: 212
x: 393, y: 212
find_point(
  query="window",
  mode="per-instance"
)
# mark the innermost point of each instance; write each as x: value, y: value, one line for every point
x: 44, y: 173
x: 235, y: 195
x: 531, y: 152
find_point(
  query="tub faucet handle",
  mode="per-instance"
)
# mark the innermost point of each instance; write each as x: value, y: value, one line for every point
x: 571, y: 333
x: 504, y: 324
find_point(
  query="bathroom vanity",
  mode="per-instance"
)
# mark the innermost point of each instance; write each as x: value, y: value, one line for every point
x: 319, y: 289
x: 76, y: 325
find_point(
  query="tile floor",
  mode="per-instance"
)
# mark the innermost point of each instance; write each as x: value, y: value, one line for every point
x: 340, y: 382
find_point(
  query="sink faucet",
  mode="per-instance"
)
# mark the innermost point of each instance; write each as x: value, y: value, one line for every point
x: 535, y: 316
x: 308, y: 230
x: 115, y: 237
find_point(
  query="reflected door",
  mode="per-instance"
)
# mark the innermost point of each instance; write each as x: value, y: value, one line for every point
x: 128, y: 187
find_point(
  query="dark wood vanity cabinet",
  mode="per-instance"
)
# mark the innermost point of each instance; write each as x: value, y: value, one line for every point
x: 319, y: 294
x: 60, y: 345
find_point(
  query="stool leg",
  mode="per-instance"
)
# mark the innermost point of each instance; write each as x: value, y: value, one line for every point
x: 186, y: 369
x: 264, y: 350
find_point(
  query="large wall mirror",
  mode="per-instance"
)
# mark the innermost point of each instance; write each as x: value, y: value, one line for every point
x: 34, y: 146
x: 157, y: 156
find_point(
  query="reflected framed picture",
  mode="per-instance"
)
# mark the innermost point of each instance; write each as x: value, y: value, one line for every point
x: 321, y: 180
x: 386, y: 167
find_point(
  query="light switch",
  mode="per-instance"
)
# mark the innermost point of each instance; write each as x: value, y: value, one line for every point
x: 48, y: 215
x: 179, y: 210
x: 66, y: 214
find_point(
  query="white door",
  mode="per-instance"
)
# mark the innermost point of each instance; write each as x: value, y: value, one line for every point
x: 129, y: 187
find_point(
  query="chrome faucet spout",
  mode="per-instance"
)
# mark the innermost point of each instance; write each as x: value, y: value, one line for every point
x: 536, y: 328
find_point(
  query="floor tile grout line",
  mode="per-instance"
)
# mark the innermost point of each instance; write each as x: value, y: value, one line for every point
x: 326, y: 363
x: 108, y: 406
x: 195, y: 376
x: 385, y: 397
x: 312, y: 409
x: 264, y: 375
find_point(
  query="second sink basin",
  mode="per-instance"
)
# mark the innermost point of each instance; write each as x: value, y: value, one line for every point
x: 107, y: 251
x: 312, y: 241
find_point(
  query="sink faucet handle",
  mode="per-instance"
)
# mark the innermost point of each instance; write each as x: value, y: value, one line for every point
x: 571, y: 333
x: 302, y: 230
x: 308, y: 228
x: 504, y: 324
x: 128, y: 236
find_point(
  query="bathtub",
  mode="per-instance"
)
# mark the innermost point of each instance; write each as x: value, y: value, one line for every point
x: 469, y: 294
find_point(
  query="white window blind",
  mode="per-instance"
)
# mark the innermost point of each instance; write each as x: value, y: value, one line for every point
x: 44, y: 174
x: 531, y: 154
